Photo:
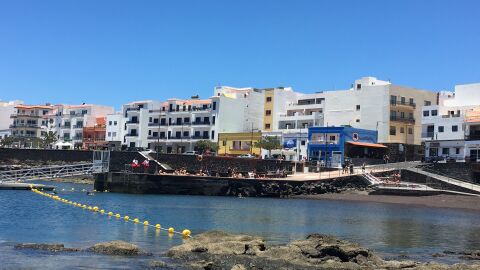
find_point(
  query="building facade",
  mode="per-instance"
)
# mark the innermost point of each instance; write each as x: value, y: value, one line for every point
x: 452, y: 128
x: 30, y: 124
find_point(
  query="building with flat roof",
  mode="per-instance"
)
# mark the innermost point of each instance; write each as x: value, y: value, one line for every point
x: 332, y: 145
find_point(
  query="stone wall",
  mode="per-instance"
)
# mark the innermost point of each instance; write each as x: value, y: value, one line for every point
x: 412, y: 153
x: 414, y: 177
x: 7, y: 155
x: 221, y: 164
x: 220, y: 186
x: 458, y: 170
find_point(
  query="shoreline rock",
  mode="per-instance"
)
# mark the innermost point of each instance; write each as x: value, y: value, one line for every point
x: 220, y: 250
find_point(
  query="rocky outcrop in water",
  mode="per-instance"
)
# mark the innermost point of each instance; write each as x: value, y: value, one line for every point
x: 219, y: 250
x: 46, y: 247
x: 116, y: 248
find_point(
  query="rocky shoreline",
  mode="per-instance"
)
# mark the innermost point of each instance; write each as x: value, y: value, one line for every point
x: 215, y: 250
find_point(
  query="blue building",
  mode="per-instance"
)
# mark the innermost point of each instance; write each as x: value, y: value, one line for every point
x: 332, y: 145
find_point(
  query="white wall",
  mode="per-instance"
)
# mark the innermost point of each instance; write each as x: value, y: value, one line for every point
x: 7, y: 109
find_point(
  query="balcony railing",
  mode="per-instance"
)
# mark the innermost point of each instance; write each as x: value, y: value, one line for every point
x: 200, y: 137
x: 132, y: 135
x: 400, y: 103
x: 132, y: 122
x: 402, y: 119
x: 132, y: 109
x: 428, y: 134
x: 201, y: 123
x: 25, y: 115
x: 472, y: 137
x: 157, y: 124
x: 66, y: 126
x: 78, y: 126
x: 24, y: 125
x: 156, y: 137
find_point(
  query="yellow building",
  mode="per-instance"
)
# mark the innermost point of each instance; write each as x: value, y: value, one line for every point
x: 235, y: 144
x: 405, y: 125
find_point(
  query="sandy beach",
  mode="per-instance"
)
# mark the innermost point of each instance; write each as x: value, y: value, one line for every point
x: 441, y: 201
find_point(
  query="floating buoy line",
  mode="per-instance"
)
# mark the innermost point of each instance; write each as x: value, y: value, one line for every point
x: 171, y: 231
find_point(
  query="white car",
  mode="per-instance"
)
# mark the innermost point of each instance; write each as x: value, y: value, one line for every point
x: 191, y: 153
x: 247, y: 156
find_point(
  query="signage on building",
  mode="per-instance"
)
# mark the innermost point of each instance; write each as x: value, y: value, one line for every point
x: 291, y: 143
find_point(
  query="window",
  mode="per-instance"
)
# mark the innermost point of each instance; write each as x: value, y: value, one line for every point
x: 457, y: 151
x: 303, y: 142
x: 402, y: 115
x: 149, y: 133
x: 445, y: 151
x: 410, y: 131
x: 426, y: 113
x: 358, y: 107
x: 402, y: 130
x: 440, y: 128
x: 109, y: 134
x: 427, y: 103
x: 357, y: 120
x: 359, y: 86
x: 224, y: 143
x: 268, y: 112
x: 114, y: 134
x: 434, y: 112
x: 411, y: 101
x: 402, y: 100
x: 214, y: 106
x: 269, y: 99
x: 267, y: 126
x: 185, y: 134
x: 109, y: 123
x: 393, y: 130
x: 114, y: 123
x: 454, y: 128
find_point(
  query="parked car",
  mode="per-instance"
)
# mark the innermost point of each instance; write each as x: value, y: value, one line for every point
x: 190, y: 153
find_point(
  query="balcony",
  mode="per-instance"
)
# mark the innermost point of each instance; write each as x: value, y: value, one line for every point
x: 132, y: 122
x: 132, y: 109
x: 156, y: 137
x: 131, y: 135
x: 403, y: 103
x: 78, y: 126
x: 201, y: 123
x: 179, y: 138
x: 200, y: 137
x: 157, y: 124
x: 15, y: 115
x: 180, y: 124
x: 472, y: 137
x: 66, y: 127
x: 428, y: 135
x: 408, y: 120
x: 20, y: 125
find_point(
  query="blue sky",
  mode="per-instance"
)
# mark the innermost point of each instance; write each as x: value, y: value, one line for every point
x: 112, y: 51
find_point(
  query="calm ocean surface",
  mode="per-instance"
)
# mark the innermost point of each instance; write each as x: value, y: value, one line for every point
x: 390, y: 230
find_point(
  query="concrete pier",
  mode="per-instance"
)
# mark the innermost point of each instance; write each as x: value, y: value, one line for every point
x: 24, y: 186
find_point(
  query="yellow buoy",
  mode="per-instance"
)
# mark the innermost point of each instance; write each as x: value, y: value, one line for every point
x: 95, y: 208
x: 135, y: 220
x: 126, y: 218
x: 84, y: 206
x: 102, y: 211
x: 89, y: 208
x: 110, y: 214
x: 74, y: 204
x: 171, y: 230
x: 186, y: 233
x: 117, y: 215
x: 145, y: 223
x: 158, y: 227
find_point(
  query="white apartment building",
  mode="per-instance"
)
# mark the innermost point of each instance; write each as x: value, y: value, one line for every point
x: 177, y: 124
x: 7, y: 108
x: 452, y: 128
x: 68, y: 121
x: 115, y: 131
x: 30, y: 124
x: 135, y: 123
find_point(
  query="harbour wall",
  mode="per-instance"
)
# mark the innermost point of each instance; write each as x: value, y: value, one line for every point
x: 139, y: 183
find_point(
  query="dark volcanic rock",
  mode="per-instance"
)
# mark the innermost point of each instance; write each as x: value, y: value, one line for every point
x: 220, y: 250
x: 116, y: 248
x: 46, y: 247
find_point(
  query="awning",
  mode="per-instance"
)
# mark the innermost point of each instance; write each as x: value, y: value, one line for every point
x: 364, y: 144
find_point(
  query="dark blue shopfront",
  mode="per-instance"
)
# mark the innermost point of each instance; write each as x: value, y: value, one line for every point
x: 331, y: 145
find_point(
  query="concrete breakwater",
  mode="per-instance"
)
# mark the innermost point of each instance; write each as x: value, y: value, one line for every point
x: 221, y: 186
